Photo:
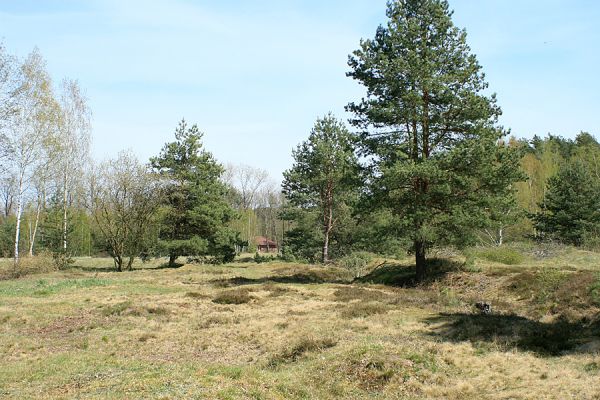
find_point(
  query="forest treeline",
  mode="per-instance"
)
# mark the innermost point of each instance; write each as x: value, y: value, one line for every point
x: 422, y: 163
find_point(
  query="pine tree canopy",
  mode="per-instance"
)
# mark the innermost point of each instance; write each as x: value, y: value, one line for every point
x: 429, y: 127
x: 196, y: 211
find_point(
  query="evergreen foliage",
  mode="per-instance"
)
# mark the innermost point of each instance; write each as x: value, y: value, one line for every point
x: 322, y: 187
x: 570, y: 211
x: 195, y: 210
x: 428, y: 127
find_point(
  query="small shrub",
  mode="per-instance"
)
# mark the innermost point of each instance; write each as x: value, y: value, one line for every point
x: 62, y: 259
x: 502, y: 255
x: 233, y: 296
x: 259, y: 259
x: 38, y: 264
x: 356, y: 262
x: 595, y: 291
x: 469, y: 264
x: 590, y: 241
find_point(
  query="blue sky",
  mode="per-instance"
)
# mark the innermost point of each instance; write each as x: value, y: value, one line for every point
x: 254, y: 75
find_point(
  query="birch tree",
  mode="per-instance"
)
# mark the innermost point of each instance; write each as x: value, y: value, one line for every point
x: 29, y: 133
x: 74, y: 141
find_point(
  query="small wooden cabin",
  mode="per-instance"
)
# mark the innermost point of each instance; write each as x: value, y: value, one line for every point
x: 264, y: 245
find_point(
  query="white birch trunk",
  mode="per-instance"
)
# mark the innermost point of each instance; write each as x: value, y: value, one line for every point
x: 18, y: 223
x: 65, y: 197
x: 35, y: 227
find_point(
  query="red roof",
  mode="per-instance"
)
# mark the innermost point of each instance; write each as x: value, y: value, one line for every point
x: 263, y: 241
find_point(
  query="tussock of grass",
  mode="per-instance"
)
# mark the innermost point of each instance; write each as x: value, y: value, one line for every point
x: 363, y: 310
x: 128, y: 308
x: 147, y: 336
x: 233, y: 296
x: 350, y: 293
x: 213, y: 320
x: 196, y: 295
x: 277, y: 290
x: 300, y: 348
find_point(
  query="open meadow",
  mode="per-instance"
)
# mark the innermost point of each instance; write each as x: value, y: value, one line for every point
x: 291, y: 331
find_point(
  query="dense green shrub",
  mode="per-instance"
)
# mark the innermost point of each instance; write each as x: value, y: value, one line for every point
x: 356, y: 262
x: 259, y: 259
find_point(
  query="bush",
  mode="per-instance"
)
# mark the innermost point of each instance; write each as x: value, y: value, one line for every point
x: 470, y: 265
x: 62, y: 259
x: 356, y: 262
x: 262, y: 259
x: 595, y: 291
x: 39, y: 264
x: 590, y: 241
x: 502, y: 255
x: 287, y: 255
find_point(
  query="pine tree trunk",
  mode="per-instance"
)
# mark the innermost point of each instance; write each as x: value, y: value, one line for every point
x: 328, y: 225
x: 421, y: 262
x: 326, y: 249
x: 172, y: 258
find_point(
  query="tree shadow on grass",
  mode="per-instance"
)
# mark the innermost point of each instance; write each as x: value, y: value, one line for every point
x: 404, y: 276
x: 308, y: 277
x: 88, y: 268
x: 515, y: 332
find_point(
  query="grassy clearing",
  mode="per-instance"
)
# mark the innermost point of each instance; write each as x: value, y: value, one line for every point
x: 290, y: 331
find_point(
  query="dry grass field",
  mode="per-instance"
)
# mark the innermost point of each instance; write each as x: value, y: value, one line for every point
x: 292, y: 331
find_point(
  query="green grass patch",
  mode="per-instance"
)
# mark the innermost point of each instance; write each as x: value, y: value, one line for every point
x: 43, y: 287
x: 501, y: 255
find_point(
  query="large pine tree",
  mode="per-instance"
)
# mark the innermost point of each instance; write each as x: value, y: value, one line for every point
x: 429, y: 128
x: 196, y: 211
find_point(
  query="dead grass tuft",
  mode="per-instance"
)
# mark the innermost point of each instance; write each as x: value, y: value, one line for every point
x: 213, y: 320
x: 276, y: 290
x: 197, y: 295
